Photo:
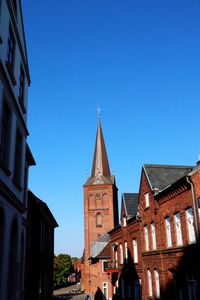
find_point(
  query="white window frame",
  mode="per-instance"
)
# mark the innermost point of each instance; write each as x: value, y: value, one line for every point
x: 168, y: 231
x: 146, y: 238
x: 190, y: 225
x: 124, y: 221
x: 135, y: 251
x: 105, y: 288
x: 121, y: 254
x: 157, y: 283
x: 149, y: 278
x: 116, y: 258
x: 177, y: 223
x: 103, y: 261
x: 126, y: 251
x: 153, y: 235
x: 146, y: 196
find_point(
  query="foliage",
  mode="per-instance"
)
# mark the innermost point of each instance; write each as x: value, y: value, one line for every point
x: 63, y: 267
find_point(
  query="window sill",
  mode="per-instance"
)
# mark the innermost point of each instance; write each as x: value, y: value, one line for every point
x: 22, y: 104
x: 146, y: 208
x: 5, y: 168
x: 17, y: 184
x: 10, y: 71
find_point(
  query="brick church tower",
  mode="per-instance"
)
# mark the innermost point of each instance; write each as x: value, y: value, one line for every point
x: 100, y: 214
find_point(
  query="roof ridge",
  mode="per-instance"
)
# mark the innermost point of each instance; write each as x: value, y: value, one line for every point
x: 167, y: 166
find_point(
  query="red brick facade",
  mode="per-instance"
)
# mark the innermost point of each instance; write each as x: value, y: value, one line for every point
x: 154, y: 252
x: 165, y: 272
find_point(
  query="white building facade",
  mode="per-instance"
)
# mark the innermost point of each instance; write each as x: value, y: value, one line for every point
x: 15, y: 155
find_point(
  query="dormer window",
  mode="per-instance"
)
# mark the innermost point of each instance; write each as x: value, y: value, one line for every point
x: 146, y: 200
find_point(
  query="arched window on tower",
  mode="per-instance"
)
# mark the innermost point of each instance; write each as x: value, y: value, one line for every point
x: 99, y: 221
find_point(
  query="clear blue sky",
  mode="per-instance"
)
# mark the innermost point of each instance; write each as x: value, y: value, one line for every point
x: 138, y: 60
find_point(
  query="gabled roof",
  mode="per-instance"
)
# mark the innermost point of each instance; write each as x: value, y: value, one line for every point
x: 130, y: 202
x: 161, y: 176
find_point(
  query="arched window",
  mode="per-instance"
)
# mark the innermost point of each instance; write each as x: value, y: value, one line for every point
x: 146, y: 238
x: 91, y: 201
x: 190, y: 225
x: 157, y: 283
x: 149, y: 279
x: 168, y: 231
x: 177, y: 222
x: 105, y: 200
x: 99, y: 219
x: 105, y: 290
x: 121, y: 254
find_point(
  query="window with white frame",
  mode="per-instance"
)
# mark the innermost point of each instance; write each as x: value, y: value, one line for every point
x: 157, y: 283
x: 135, y: 251
x: 146, y: 200
x: 146, y: 238
x: 116, y: 257
x: 190, y: 225
x: 124, y: 221
x: 153, y: 235
x: 177, y: 221
x: 104, y: 265
x: 121, y: 254
x: 105, y: 290
x: 168, y: 231
x: 126, y: 251
x: 149, y: 280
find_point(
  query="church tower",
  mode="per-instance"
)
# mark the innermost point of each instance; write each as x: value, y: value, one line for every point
x: 100, y: 205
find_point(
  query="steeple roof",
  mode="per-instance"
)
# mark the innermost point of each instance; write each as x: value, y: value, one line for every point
x: 100, y: 162
x: 100, y: 167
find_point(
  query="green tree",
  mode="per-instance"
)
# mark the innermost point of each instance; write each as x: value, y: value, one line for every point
x: 63, y: 267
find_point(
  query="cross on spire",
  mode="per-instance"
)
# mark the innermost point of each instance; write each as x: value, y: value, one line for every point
x: 98, y: 112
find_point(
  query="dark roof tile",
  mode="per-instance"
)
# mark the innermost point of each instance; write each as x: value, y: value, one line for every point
x: 161, y: 176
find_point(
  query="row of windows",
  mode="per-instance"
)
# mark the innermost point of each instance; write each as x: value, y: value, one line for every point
x: 5, y: 142
x: 178, y: 230
x: 10, y: 60
x: 121, y: 252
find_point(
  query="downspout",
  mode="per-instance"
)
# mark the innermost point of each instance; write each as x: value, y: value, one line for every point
x: 194, y: 207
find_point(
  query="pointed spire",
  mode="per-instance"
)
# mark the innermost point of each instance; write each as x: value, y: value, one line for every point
x: 100, y: 165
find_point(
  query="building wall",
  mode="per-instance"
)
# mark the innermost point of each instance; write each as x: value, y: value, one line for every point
x: 13, y: 185
x: 174, y: 269
x: 98, y: 199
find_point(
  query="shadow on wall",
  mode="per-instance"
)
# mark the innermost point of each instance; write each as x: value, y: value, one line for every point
x: 128, y: 282
x: 184, y: 278
x: 98, y: 294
